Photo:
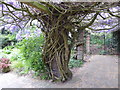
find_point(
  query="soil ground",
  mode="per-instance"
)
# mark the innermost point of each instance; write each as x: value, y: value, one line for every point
x: 98, y: 72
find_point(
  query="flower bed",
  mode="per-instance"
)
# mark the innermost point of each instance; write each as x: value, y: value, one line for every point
x: 5, y: 65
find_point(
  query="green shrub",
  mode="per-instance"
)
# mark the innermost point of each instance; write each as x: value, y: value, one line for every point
x: 26, y: 55
x: 99, y: 46
x: 75, y: 63
x: 31, y: 54
x: 17, y: 65
x: 97, y: 40
x: 7, y: 40
x: 103, y: 52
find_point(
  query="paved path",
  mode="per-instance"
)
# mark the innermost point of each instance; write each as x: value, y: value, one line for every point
x: 99, y: 72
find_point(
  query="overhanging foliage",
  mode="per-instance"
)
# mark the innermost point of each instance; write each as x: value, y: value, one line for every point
x: 60, y: 23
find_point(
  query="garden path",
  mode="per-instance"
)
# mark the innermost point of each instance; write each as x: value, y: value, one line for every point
x: 99, y: 72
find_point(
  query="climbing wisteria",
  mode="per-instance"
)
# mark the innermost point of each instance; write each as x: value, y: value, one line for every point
x: 60, y: 23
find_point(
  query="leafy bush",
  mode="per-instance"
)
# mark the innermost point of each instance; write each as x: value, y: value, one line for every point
x: 26, y: 55
x: 31, y: 49
x: 17, y: 64
x: 99, y: 47
x: 97, y: 39
x: 7, y: 40
x: 30, y: 55
x: 103, y: 52
x: 75, y: 63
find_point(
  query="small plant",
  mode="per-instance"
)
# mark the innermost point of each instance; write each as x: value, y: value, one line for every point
x: 5, y: 65
x: 75, y: 63
x: 99, y: 47
x: 103, y: 52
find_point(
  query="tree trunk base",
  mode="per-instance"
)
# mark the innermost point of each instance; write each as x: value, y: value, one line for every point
x: 69, y: 77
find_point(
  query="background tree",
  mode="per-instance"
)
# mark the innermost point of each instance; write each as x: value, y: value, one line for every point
x: 60, y: 23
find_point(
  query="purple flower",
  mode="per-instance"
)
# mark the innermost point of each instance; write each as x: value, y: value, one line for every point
x: 19, y: 15
x: 26, y: 33
x: 27, y: 36
x: 5, y: 8
x: 13, y: 2
x: 19, y: 35
x: 10, y: 3
x: 0, y: 6
x: 114, y: 9
x: 7, y: 26
x: 37, y: 32
x: 13, y: 28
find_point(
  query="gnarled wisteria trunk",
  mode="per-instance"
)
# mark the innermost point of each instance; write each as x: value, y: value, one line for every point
x: 57, y: 20
x: 56, y: 54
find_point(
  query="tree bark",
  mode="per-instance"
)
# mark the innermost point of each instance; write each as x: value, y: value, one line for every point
x: 56, y: 55
x: 80, y: 45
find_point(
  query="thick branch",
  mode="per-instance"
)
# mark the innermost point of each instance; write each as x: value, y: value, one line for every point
x: 38, y: 6
x: 91, y: 22
x: 113, y: 14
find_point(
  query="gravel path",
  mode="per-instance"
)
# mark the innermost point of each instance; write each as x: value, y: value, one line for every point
x: 99, y: 72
